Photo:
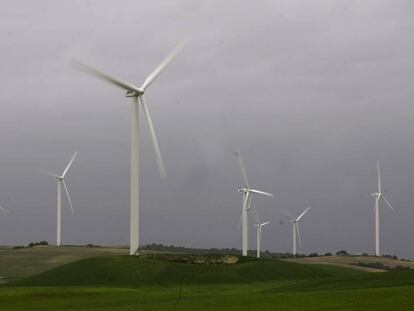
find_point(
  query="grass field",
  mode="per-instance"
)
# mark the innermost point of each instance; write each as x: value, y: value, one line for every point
x: 137, y: 283
x: 17, y: 263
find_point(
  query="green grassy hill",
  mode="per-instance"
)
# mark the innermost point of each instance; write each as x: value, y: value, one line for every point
x: 127, y: 271
x: 18, y: 263
x: 155, y: 284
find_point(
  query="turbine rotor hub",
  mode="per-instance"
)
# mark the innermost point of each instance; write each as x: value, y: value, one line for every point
x: 130, y: 93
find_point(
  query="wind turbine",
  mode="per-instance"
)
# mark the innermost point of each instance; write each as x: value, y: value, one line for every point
x: 246, y: 200
x: 136, y: 93
x: 377, y: 197
x: 61, y: 181
x: 259, y: 235
x: 295, y: 228
x: 258, y: 227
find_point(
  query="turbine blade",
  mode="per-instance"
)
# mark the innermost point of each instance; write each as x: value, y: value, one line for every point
x: 67, y: 193
x: 4, y: 210
x: 242, y: 167
x: 240, y: 222
x: 75, y: 64
x: 303, y: 213
x: 246, y: 200
x: 50, y: 174
x: 246, y: 197
x: 265, y: 223
x: 155, y: 144
x: 255, y: 215
x: 379, y: 177
x: 262, y: 192
x: 386, y: 201
x: 297, y: 231
x: 153, y: 75
x: 69, y: 164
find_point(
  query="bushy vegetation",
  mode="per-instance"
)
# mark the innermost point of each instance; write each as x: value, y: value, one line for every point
x: 218, y: 251
x: 342, y: 253
x: 41, y: 243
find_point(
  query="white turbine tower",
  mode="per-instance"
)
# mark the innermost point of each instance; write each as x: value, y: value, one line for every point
x: 61, y: 181
x: 259, y: 235
x: 377, y: 197
x: 295, y: 228
x: 258, y: 227
x: 246, y: 200
x: 136, y: 93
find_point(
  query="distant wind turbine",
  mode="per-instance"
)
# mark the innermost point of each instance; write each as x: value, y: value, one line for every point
x: 295, y: 228
x: 4, y: 210
x: 61, y: 181
x: 137, y: 95
x: 377, y: 197
x: 246, y: 201
x: 258, y: 227
x: 259, y: 235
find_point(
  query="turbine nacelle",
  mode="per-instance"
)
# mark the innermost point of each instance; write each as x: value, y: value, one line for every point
x: 375, y: 195
x: 137, y: 93
x: 242, y: 190
x: 262, y: 224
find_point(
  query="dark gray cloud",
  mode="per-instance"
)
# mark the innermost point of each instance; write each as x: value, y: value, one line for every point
x: 313, y: 92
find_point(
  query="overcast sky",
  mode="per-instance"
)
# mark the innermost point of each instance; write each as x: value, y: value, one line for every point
x: 313, y: 93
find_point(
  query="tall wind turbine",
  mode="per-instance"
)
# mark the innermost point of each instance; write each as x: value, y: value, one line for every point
x: 61, y: 181
x: 295, y: 229
x: 377, y: 197
x: 259, y: 235
x: 136, y: 93
x: 246, y: 201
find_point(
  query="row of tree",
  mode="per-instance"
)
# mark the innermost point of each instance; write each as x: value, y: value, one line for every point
x: 235, y: 251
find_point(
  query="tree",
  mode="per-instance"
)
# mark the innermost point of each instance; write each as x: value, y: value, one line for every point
x: 341, y: 253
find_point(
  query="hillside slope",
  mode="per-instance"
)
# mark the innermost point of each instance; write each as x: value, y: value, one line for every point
x: 128, y: 271
x: 17, y: 263
x: 368, y: 263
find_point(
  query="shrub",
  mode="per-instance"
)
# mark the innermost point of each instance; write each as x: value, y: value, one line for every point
x: 328, y: 254
x: 33, y: 244
x: 341, y: 253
